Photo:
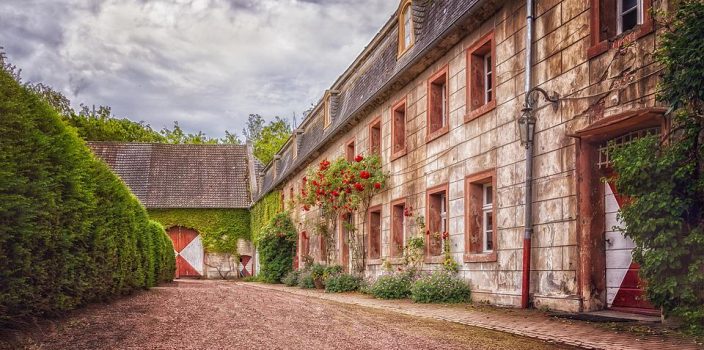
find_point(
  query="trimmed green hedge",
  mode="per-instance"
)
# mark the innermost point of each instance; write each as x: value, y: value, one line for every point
x: 220, y: 228
x: 70, y: 231
x: 262, y: 212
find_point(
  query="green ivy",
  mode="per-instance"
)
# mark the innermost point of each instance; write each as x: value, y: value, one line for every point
x: 262, y: 212
x: 665, y: 181
x: 219, y: 228
x: 277, y: 247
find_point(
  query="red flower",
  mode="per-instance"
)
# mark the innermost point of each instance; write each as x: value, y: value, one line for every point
x: 359, y: 187
x: 358, y: 158
x: 324, y: 164
x: 364, y: 174
x: 377, y: 185
x: 445, y: 235
x: 315, y: 183
x: 306, y: 207
x: 348, y: 190
x: 335, y: 193
x: 427, y: 232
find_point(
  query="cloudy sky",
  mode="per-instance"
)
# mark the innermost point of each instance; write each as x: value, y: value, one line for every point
x: 206, y: 63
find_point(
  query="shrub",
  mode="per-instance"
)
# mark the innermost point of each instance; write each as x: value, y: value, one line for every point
x: 440, y: 287
x: 331, y: 271
x: 277, y: 247
x: 71, y: 231
x: 305, y: 280
x: 317, y: 271
x: 291, y: 278
x: 342, y: 283
x: 396, y: 286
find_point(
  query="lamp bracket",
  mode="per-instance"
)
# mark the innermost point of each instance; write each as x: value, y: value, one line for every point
x: 533, y: 95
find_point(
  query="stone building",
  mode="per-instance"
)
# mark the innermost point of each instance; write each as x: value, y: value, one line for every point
x: 440, y: 92
x: 200, y: 193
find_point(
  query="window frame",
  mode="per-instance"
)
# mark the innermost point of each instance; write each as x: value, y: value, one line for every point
x: 598, y: 46
x: 475, y: 250
x: 374, y: 124
x: 484, y: 46
x: 374, y: 260
x: 393, y: 253
x: 350, y: 156
x: 441, y: 75
x: 402, y: 48
x: 443, y: 190
x: 400, y: 104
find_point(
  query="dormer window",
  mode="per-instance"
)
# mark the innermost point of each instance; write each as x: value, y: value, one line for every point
x: 405, y: 27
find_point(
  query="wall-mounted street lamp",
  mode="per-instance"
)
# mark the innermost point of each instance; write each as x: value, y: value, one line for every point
x: 526, y: 122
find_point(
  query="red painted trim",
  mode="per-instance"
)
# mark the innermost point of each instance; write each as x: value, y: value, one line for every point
x: 373, y: 123
x: 599, y: 47
x: 525, y: 277
x: 472, y: 114
x: 444, y: 71
x: 396, y: 107
x: 391, y: 229
x: 429, y: 192
x: 471, y: 254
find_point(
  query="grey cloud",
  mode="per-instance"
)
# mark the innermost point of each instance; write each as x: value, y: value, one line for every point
x: 206, y: 63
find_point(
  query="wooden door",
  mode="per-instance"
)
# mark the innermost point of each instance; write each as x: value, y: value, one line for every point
x: 188, y: 248
x: 624, y: 288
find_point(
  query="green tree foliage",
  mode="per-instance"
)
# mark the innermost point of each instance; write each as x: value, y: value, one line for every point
x: 101, y: 125
x: 219, y: 228
x: 276, y: 248
x: 70, y: 231
x: 262, y: 212
x: 665, y: 180
x: 267, y: 140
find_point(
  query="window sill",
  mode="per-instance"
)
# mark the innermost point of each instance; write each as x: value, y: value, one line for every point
x: 398, y: 154
x: 375, y: 261
x: 434, y: 259
x: 437, y: 133
x: 620, y: 40
x: 478, y: 112
x: 395, y: 260
x: 480, y: 257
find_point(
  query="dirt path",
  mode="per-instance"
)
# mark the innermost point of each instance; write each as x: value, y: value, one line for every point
x: 226, y: 315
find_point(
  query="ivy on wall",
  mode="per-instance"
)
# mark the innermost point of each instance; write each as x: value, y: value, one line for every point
x: 219, y: 228
x: 263, y: 211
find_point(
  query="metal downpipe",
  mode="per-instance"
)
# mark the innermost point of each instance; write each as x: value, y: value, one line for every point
x: 525, y: 285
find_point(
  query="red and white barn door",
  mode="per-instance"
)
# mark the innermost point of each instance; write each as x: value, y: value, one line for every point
x: 188, y: 248
x: 624, y: 289
x: 246, y: 266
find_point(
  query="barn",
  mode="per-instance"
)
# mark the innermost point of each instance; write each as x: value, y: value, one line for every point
x: 200, y: 193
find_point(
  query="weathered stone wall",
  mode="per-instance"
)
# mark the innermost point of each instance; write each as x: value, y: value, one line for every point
x: 609, y: 83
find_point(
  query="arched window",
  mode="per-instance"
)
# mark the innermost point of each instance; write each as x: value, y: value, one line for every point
x: 405, y: 27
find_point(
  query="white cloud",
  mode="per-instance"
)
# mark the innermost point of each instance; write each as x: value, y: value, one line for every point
x: 206, y: 63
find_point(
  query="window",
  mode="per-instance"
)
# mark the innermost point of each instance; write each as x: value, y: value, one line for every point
x: 374, y: 250
x: 629, y: 14
x: 481, y: 80
x: 291, y: 197
x: 327, y: 117
x: 437, y: 225
x: 612, y: 18
x: 346, y: 229
x: 406, y: 37
x: 350, y: 151
x: 488, y: 218
x: 480, y: 235
x: 398, y: 228
x: 398, y: 129
x: 438, y: 106
x: 304, y: 244
x: 375, y: 136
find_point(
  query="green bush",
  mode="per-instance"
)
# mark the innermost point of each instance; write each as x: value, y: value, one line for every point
x: 291, y: 279
x: 317, y: 270
x: 340, y: 283
x: 70, y: 230
x: 396, y: 286
x: 277, y: 247
x: 440, y: 287
x: 305, y: 280
x: 331, y: 271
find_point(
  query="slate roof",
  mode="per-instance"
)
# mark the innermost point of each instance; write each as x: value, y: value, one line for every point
x: 180, y: 176
x: 438, y: 25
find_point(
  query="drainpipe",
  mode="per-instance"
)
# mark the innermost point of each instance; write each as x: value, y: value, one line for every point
x: 525, y: 285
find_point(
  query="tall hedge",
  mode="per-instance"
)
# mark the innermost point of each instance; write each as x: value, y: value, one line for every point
x: 277, y: 247
x: 263, y: 211
x: 70, y: 230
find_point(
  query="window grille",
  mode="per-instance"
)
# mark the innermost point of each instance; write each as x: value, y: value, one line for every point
x: 606, y: 149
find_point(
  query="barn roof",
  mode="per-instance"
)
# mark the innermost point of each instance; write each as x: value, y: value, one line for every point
x: 181, y: 176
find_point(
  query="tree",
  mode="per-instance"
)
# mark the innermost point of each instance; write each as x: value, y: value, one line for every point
x: 271, y: 138
x: 665, y: 179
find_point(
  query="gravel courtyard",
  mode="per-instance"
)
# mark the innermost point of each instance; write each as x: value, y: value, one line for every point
x: 196, y: 314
